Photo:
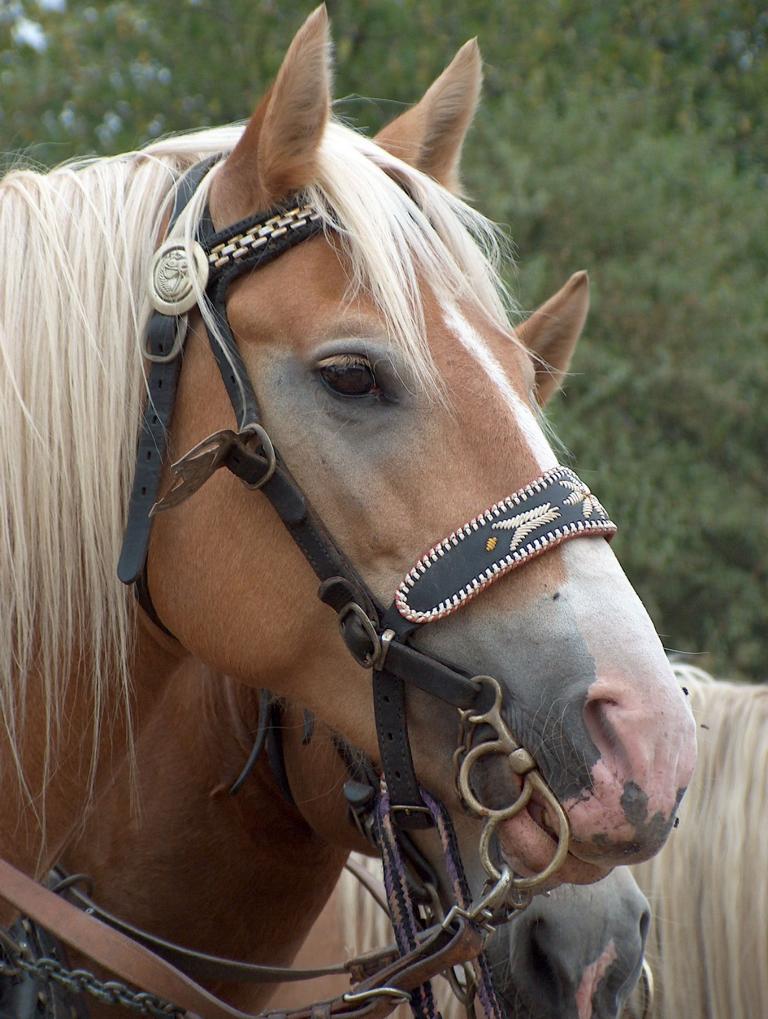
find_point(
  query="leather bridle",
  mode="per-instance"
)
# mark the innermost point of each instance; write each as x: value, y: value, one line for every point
x: 552, y: 509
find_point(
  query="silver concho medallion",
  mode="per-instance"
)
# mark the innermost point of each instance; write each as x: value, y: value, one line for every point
x: 170, y: 280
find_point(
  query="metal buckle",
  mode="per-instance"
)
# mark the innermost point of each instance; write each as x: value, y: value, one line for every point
x: 353, y: 997
x: 407, y: 809
x: 374, y: 655
x: 269, y: 452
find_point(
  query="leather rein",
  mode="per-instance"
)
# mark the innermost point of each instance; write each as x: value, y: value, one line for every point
x: 39, y: 980
x: 552, y: 509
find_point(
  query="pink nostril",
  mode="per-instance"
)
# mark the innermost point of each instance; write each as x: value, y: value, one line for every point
x: 643, y: 752
x: 643, y: 743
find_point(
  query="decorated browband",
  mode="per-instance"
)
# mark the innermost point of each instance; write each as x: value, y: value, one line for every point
x: 170, y: 285
x: 552, y: 509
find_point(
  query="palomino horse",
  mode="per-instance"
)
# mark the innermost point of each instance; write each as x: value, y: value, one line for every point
x: 708, y: 943
x: 377, y: 357
x: 245, y: 875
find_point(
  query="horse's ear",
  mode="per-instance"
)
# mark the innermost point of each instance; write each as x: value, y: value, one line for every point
x: 552, y: 331
x: 277, y: 152
x: 430, y: 135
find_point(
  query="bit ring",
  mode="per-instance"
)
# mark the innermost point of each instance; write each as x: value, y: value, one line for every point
x: 523, y: 765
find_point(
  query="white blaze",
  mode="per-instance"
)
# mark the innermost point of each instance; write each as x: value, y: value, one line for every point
x: 522, y: 414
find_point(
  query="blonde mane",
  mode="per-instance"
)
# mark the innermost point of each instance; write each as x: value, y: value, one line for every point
x: 708, y: 889
x: 77, y: 244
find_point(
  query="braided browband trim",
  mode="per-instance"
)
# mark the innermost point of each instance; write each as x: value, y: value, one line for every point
x: 554, y: 508
x: 215, y: 259
x: 236, y: 246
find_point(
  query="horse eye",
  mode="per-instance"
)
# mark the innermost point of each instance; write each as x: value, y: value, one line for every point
x: 349, y: 376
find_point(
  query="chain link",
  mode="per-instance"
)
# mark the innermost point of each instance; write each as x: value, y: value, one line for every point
x: 80, y: 981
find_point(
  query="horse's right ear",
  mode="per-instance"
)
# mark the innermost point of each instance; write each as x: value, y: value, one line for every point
x: 277, y: 152
x: 552, y: 331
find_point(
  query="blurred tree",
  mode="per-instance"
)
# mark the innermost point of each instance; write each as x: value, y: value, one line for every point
x: 630, y: 139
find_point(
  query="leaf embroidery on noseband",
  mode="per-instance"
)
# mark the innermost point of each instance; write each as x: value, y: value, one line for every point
x: 580, y: 493
x: 525, y: 523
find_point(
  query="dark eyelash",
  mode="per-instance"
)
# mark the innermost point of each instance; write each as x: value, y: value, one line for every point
x: 349, y: 375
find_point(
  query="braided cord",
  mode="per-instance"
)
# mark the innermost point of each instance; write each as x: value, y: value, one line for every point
x: 399, y: 901
x: 463, y: 896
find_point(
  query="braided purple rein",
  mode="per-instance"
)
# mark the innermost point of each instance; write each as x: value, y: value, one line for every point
x: 401, y: 910
x: 399, y: 901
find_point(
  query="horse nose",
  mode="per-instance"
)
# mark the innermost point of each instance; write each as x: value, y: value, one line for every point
x: 647, y: 751
x: 547, y: 964
x: 614, y: 990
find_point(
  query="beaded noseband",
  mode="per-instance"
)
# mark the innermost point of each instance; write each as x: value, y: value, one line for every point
x: 554, y: 508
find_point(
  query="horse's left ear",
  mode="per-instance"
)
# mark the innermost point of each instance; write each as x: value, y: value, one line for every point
x: 552, y: 331
x: 430, y: 135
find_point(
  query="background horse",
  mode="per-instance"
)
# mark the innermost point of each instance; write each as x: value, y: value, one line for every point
x: 374, y: 347
x: 708, y: 944
x: 574, y: 953
x: 246, y: 875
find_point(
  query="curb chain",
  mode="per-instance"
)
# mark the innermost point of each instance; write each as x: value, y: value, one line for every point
x: 80, y: 981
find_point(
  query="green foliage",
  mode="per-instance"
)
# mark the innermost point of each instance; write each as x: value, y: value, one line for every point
x: 629, y: 139
x: 666, y: 409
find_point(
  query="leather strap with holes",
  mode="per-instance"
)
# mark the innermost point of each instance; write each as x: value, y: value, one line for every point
x: 132, y: 962
x: 162, y: 382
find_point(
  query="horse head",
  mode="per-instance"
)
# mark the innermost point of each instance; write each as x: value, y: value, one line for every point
x: 405, y: 405
x: 575, y: 954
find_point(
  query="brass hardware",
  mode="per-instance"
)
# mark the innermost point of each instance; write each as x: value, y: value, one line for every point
x: 269, y: 452
x: 481, y: 911
x: 523, y: 765
x: 374, y: 655
x: 384, y: 642
x: 202, y: 461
